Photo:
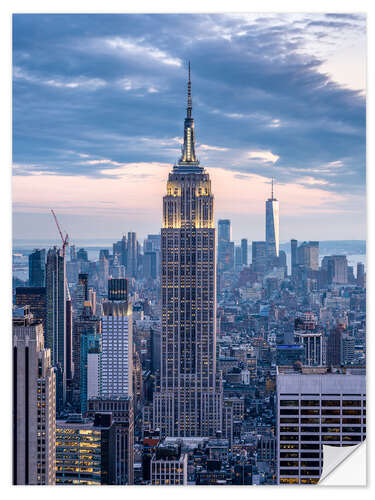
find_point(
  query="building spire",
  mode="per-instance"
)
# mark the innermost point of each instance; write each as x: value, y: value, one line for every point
x: 189, y: 103
x: 188, y: 160
x: 272, y: 189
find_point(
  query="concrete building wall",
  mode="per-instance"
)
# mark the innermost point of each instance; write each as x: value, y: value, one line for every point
x: 315, y: 409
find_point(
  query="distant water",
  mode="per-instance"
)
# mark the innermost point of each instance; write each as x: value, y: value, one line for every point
x: 355, y: 250
x: 46, y: 243
x: 354, y: 259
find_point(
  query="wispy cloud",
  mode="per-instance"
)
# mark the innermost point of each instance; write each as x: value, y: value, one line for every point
x: 138, y: 48
x: 80, y: 82
x: 312, y: 181
x: 263, y: 156
x: 206, y: 147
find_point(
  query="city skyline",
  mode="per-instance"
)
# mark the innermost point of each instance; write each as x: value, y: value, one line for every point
x: 185, y: 358
x: 255, y: 122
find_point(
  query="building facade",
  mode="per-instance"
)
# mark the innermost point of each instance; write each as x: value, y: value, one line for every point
x: 308, y: 255
x: 121, y: 469
x: 168, y: 466
x: 116, y: 357
x: 35, y: 297
x: 244, y: 251
x: 272, y: 226
x: 55, y: 336
x: 189, y: 401
x: 83, y: 451
x: 259, y: 256
x: 34, y: 403
x: 37, y: 268
x: 337, y: 268
x: 316, y: 407
x: 132, y: 263
x: 86, y: 339
x: 114, y: 366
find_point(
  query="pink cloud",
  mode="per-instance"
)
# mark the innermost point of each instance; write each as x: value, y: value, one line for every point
x: 138, y: 188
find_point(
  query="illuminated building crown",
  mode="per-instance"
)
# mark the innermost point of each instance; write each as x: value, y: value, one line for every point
x: 188, y: 161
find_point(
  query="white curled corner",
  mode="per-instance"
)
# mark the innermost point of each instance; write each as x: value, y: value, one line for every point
x: 344, y: 466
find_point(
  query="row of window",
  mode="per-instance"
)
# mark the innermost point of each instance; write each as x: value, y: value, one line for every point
x: 323, y: 402
x: 327, y: 437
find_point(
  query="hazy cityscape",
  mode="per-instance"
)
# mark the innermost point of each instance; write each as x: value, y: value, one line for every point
x: 187, y: 356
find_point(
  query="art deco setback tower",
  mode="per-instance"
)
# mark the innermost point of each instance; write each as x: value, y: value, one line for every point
x: 189, y: 400
x: 272, y: 226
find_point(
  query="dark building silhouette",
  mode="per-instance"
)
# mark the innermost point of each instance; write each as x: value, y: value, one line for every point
x: 120, y: 248
x: 82, y: 255
x: 55, y: 335
x: 259, y: 256
x: 293, y: 250
x: 244, y: 251
x: 69, y: 346
x: 118, y: 289
x: 37, y: 264
x: 334, y: 346
x: 155, y: 343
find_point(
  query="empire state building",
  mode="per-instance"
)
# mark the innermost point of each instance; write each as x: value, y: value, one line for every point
x: 189, y: 399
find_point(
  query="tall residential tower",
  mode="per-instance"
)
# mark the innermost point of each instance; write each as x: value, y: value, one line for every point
x: 55, y: 335
x: 189, y: 400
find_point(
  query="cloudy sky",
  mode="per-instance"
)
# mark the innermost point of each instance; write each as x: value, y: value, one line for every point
x: 99, y: 103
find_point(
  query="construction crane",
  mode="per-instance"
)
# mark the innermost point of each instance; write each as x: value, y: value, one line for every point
x: 65, y: 243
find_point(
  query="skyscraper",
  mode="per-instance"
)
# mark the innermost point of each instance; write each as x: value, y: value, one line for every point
x: 82, y: 255
x: 316, y: 408
x: 69, y: 347
x: 86, y: 333
x: 117, y: 341
x: 34, y: 400
x: 190, y: 397
x: 150, y: 265
x: 55, y: 336
x: 225, y: 247
x: 238, y: 258
x: 272, y: 226
x: 293, y: 251
x: 244, y: 250
x: 102, y: 268
x: 81, y: 294
x: 334, y: 345
x: 308, y: 255
x: 73, y: 252
x: 84, y: 450
x: 37, y: 264
x: 337, y: 268
x: 120, y: 249
x: 224, y: 231
x: 132, y: 263
x: 361, y: 274
x: 259, y: 256
x: 116, y: 377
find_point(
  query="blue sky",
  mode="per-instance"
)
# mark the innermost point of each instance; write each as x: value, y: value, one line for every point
x: 99, y: 103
